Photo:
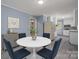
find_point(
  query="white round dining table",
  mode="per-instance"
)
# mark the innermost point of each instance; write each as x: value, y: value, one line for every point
x: 28, y: 42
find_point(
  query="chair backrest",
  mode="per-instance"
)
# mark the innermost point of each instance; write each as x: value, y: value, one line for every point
x: 47, y: 35
x: 21, y: 35
x: 9, y: 48
x: 55, y: 48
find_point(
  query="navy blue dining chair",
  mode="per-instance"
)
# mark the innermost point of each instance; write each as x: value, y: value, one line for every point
x: 47, y: 35
x: 50, y: 54
x: 18, y: 54
x: 21, y: 35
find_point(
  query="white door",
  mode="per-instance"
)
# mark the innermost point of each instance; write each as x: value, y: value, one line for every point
x: 59, y: 27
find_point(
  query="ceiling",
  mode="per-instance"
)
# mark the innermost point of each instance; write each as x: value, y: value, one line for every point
x: 50, y: 7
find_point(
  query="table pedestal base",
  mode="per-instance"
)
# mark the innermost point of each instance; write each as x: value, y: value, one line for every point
x: 34, y: 55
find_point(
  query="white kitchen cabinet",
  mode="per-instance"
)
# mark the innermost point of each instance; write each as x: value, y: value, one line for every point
x: 73, y: 37
x: 66, y: 32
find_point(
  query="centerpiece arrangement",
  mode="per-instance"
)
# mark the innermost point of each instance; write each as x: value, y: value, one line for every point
x: 33, y: 29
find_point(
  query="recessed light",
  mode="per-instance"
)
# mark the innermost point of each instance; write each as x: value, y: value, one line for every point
x: 40, y: 2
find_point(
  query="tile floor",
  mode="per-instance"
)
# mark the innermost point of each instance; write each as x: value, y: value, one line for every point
x: 66, y: 51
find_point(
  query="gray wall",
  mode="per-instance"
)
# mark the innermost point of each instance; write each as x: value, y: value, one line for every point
x: 24, y: 20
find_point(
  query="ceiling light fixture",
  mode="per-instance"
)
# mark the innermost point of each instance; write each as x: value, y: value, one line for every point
x: 40, y: 2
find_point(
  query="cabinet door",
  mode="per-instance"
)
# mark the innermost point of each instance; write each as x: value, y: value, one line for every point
x: 49, y: 27
x: 74, y: 37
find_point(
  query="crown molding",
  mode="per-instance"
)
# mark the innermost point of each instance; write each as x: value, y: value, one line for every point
x: 14, y: 8
x: 2, y: 4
